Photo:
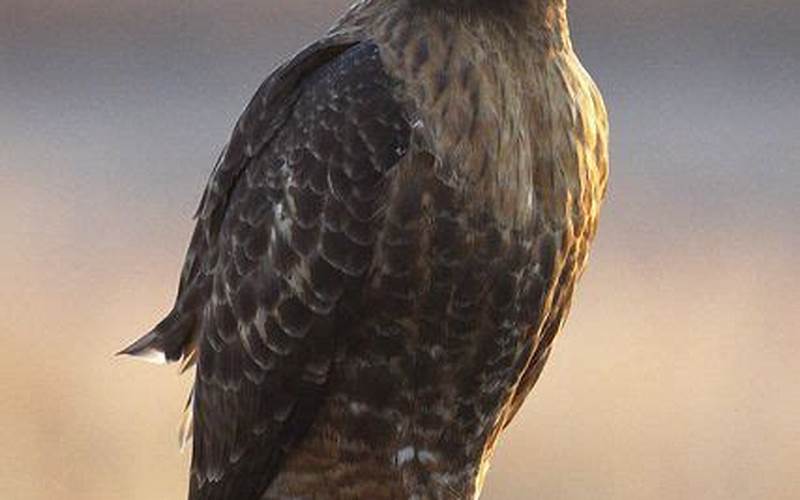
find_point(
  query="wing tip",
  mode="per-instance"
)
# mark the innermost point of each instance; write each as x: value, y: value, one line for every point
x: 146, y: 349
x: 171, y: 340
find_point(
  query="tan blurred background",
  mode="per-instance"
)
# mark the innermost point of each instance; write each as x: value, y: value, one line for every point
x: 677, y: 377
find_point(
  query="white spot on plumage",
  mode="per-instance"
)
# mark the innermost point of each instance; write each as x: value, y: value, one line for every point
x: 427, y: 457
x: 152, y: 355
x: 357, y: 408
x: 410, y: 453
x: 405, y: 455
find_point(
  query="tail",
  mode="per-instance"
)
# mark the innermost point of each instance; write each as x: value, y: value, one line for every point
x: 171, y: 340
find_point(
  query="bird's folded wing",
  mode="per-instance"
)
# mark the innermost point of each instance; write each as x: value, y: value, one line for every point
x: 286, y: 229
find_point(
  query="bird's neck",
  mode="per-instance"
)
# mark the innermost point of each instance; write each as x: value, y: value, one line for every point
x: 550, y: 16
x: 530, y: 24
x: 544, y: 21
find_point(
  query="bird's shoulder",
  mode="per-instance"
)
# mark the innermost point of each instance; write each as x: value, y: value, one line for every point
x: 331, y: 116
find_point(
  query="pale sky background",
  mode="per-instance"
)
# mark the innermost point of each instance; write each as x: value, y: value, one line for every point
x: 677, y: 374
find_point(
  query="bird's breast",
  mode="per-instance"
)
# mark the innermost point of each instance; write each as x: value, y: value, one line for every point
x: 523, y: 132
x: 441, y: 334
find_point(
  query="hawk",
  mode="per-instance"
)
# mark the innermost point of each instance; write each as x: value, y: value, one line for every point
x: 385, y: 252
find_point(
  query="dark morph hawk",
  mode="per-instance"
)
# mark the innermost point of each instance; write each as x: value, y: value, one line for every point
x: 386, y: 251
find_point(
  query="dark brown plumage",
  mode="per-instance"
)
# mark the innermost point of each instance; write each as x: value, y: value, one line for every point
x: 385, y: 252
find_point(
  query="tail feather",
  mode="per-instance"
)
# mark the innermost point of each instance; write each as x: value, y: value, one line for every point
x: 171, y: 340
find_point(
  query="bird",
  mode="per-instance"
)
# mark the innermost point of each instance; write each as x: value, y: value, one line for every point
x: 385, y: 252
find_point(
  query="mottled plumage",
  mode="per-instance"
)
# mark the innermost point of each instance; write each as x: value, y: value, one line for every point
x: 386, y: 251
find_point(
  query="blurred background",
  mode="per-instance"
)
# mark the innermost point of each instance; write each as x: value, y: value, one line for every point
x: 677, y: 376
